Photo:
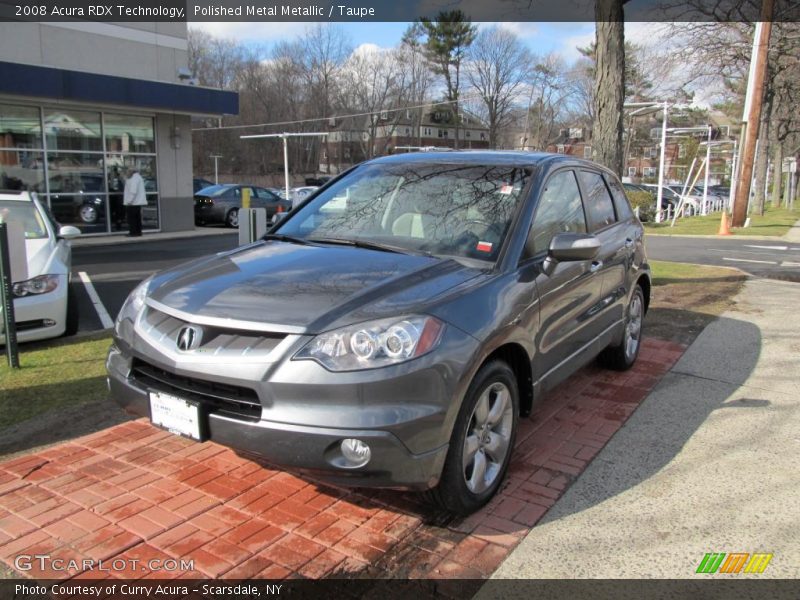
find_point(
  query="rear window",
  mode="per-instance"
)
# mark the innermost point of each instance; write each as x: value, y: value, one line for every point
x: 621, y: 203
x: 599, y: 206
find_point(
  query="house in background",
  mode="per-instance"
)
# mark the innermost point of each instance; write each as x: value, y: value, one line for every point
x: 352, y: 140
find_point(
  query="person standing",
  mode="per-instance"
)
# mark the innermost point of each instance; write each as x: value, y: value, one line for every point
x: 134, y: 199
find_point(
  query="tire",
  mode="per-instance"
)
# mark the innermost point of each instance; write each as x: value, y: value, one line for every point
x: 232, y: 218
x: 88, y: 214
x: 461, y: 490
x: 622, y: 356
x: 73, y: 316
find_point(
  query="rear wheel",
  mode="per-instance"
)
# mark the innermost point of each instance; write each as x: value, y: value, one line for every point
x: 232, y: 218
x: 482, y: 441
x: 622, y: 356
x: 73, y: 316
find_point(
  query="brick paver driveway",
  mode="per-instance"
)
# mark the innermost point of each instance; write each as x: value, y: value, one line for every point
x: 136, y: 492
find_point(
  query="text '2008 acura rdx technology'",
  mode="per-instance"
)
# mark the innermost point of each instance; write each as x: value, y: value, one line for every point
x: 392, y: 329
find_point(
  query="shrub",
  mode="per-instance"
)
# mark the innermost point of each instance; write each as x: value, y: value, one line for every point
x: 646, y: 203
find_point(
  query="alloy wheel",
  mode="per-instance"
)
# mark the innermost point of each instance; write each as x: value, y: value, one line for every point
x: 633, y: 326
x: 488, y: 439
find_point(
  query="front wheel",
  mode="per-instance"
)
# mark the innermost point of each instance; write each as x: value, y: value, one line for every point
x: 482, y: 441
x: 88, y: 214
x: 622, y: 356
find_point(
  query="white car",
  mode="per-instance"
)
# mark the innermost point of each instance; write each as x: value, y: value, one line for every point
x: 298, y: 194
x: 44, y: 307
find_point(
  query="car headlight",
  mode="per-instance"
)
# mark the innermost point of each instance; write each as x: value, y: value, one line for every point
x: 38, y: 285
x: 373, y: 344
x: 132, y: 306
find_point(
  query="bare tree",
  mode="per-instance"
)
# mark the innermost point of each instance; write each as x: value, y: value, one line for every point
x: 324, y: 48
x: 497, y: 67
x: 374, y: 82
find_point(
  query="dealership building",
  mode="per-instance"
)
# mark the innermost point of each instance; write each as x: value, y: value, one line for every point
x: 81, y: 101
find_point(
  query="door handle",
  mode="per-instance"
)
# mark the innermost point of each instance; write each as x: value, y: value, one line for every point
x: 596, y: 266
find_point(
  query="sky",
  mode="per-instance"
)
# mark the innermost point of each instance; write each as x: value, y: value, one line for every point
x: 541, y: 38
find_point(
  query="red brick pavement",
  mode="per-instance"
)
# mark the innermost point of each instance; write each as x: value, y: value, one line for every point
x: 136, y: 492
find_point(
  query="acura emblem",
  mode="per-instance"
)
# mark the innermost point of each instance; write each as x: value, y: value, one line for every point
x: 189, y: 338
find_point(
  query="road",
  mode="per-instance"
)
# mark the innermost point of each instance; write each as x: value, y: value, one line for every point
x: 771, y: 259
x: 115, y: 270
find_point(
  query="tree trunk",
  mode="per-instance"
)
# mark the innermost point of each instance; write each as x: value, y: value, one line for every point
x: 777, y: 180
x: 609, y: 88
x: 761, y: 163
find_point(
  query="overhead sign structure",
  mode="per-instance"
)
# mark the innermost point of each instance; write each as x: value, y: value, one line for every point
x: 285, y: 137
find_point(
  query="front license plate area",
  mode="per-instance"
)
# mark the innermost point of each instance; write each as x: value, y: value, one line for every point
x: 178, y: 415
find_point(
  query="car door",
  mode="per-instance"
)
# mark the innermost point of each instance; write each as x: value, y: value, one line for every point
x: 614, y: 256
x: 570, y: 295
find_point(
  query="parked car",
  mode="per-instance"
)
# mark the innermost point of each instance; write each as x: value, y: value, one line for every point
x: 44, y: 305
x: 299, y: 194
x: 669, y: 198
x: 317, y: 181
x: 221, y: 203
x: 199, y: 183
x: 395, y: 342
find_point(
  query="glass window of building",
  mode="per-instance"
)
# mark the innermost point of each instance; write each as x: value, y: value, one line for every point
x: 72, y: 130
x: 129, y: 134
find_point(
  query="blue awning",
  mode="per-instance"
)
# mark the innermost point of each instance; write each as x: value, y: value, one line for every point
x: 61, y: 84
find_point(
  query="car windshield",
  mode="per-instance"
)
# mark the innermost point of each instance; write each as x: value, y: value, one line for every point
x: 446, y: 210
x: 25, y: 213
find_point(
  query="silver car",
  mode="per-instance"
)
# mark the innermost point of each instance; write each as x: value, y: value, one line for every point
x: 392, y: 330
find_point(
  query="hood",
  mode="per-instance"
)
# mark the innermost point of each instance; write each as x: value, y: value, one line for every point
x: 312, y: 287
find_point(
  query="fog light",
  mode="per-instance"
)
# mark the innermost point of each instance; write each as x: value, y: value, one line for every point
x: 355, y: 452
x: 48, y: 322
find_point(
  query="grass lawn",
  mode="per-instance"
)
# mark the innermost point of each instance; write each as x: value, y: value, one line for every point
x: 665, y: 273
x: 53, y: 375
x: 775, y: 222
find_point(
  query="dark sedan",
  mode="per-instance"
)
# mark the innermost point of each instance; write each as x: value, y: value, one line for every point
x: 221, y: 203
x: 393, y: 329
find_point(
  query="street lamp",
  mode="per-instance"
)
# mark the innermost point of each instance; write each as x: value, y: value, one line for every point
x: 216, y: 157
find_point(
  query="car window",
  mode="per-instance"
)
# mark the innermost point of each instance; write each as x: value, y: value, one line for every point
x: 25, y: 213
x: 559, y: 210
x: 599, y: 206
x: 621, y: 203
x: 265, y: 194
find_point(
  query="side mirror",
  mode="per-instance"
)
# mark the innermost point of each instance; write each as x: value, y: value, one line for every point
x: 566, y: 247
x: 68, y: 232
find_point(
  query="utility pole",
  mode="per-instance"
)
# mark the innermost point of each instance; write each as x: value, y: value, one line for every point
x: 752, y: 115
x: 661, y: 161
x: 216, y: 157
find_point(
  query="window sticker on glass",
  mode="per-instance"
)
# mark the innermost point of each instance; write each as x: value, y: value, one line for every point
x: 484, y: 246
x: 506, y: 189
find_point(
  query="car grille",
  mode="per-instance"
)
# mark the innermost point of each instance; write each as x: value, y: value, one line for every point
x: 238, y: 402
x: 224, y: 343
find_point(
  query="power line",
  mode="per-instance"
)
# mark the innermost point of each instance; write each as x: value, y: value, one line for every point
x: 317, y: 119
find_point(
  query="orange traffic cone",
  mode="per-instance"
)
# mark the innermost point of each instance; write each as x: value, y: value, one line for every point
x: 280, y: 208
x: 724, y: 228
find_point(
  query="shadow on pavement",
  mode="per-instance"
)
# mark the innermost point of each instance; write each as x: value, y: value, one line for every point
x: 658, y: 430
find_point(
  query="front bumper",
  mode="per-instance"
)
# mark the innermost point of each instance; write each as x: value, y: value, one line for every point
x: 30, y: 313
x: 404, y: 413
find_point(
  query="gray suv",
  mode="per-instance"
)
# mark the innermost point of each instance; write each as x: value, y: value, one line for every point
x: 393, y: 328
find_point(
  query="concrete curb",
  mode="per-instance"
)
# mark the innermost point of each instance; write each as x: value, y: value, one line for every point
x: 122, y: 239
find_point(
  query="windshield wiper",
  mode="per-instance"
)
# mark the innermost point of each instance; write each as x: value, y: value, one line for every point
x: 286, y: 238
x: 367, y: 245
